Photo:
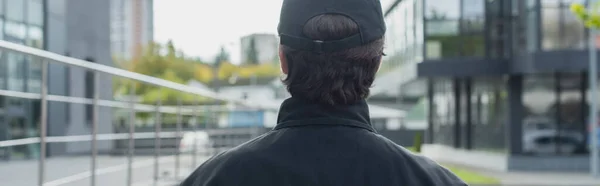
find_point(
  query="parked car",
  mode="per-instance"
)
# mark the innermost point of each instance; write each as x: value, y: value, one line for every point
x: 549, y: 141
x: 200, y: 139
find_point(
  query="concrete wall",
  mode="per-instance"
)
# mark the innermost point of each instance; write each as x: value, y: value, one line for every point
x: 55, y: 39
x: 81, y: 29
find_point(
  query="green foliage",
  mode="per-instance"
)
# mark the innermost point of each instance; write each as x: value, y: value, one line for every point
x: 590, y: 18
x: 222, y: 56
x: 418, y: 142
x: 170, y: 65
x: 166, y: 62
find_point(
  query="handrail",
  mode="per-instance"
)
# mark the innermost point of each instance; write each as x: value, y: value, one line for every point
x: 107, y: 137
x: 57, y: 58
x: 119, y: 104
x: 45, y: 57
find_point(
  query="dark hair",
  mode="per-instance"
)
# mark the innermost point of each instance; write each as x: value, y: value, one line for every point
x: 336, y: 78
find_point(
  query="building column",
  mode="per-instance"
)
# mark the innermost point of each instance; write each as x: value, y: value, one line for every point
x: 468, y: 120
x: 514, y: 129
x: 457, y: 112
x: 430, y: 111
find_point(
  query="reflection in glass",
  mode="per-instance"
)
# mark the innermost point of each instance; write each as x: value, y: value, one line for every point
x: 16, y: 30
x: 443, y: 112
x: 442, y: 9
x: 3, y: 73
x: 15, y: 10
x: 555, y: 115
x: 404, y: 36
x: 35, y: 12
x: 16, y: 71
x: 489, y: 114
x: 473, y: 8
x: 35, y: 37
x: 560, y: 28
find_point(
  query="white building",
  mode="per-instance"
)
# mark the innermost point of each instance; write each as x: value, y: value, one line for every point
x: 132, y: 27
x: 266, y: 45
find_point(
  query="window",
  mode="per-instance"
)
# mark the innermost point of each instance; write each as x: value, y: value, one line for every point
x: 36, y: 37
x: 16, y: 30
x: 2, y: 7
x: 442, y: 9
x: 560, y: 28
x: 35, y: 12
x: 16, y: 72
x: 16, y: 11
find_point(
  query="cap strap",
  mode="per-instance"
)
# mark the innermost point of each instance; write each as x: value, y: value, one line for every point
x: 319, y: 46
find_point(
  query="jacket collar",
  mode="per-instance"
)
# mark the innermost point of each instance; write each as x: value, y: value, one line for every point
x: 295, y: 112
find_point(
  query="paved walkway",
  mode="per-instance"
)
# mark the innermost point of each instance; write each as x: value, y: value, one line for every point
x: 112, y: 170
x: 537, y: 178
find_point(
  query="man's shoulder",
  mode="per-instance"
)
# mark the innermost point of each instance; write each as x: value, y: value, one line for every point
x: 225, y: 163
x: 424, y: 170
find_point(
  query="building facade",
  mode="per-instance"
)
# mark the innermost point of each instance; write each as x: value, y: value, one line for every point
x: 77, y: 28
x: 505, y: 80
x: 132, y: 27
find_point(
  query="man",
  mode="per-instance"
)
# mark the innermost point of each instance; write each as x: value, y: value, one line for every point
x: 330, y: 51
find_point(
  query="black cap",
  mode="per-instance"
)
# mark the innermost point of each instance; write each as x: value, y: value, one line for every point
x: 296, y: 13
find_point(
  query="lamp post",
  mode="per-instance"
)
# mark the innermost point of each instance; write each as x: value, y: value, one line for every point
x: 591, y: 20
x: 593, y: 78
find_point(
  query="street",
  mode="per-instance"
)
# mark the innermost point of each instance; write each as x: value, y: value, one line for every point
x: 112, y: 170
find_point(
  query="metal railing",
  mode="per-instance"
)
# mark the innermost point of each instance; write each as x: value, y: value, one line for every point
x: 133, y: 107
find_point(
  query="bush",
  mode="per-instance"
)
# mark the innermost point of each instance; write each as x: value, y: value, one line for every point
x: 418, y: 142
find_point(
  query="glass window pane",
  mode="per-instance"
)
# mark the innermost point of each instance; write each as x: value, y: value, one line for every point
x: 442, y: 9
x: 489, y: 114
x: 473, y: 45
x: 1, y: 29
x: 16, y: 30
x: 574, y: 31
x: 1, y: 7
x: 16, y: 10
x: 473, y: 8
x: 532, y: 31
x: 3, y: 73
x: 550, y: 3
x: 35, y: 12
x: 34, y: 80
x: 16, y: 72
x: 551, y: 28
x: 36, y: 37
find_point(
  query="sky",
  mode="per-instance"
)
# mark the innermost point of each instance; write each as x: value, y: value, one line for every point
x: 200, y: 27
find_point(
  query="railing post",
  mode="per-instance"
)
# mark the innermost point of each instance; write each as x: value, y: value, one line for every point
x: 43, y: 124
x: 207, y: 119
x: 131, y: 144
x: 195, y: 129
x: 157, y: 140
x: 95, y: 113
x: 179, y: 138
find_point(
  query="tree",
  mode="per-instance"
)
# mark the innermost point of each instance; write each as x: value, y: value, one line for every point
x: 252, y: 53
x: 171, y: 65
x: 591, y: 19
x: 222, y: 56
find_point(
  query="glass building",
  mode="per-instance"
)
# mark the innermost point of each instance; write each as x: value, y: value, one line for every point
x: 22, y: 22
x: 504, y: 79
x: 44, y: 24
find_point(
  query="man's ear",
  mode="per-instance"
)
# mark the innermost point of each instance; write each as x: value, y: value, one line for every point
x: 283, y: 61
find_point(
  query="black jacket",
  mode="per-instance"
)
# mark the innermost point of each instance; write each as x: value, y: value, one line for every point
x: 315, y: 145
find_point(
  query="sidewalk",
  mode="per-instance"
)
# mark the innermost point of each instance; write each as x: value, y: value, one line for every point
x: 537, y: 178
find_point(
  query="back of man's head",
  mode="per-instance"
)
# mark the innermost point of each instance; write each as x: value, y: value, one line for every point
x: 334, y: 56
